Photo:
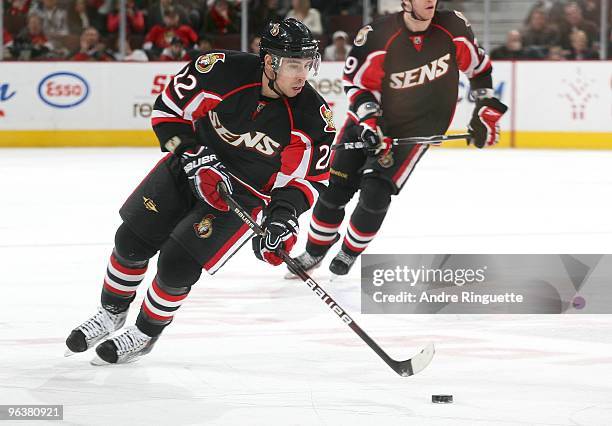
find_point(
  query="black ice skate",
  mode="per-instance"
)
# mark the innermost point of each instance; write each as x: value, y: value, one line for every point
x: 342, y: 263
x: 93, y: 330
x: 126, y: 347
x: 308, y: 262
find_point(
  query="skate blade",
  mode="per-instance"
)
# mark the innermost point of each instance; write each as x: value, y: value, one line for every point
x: 97, y: 361
x: 292, y: 276
x: 68, y: 353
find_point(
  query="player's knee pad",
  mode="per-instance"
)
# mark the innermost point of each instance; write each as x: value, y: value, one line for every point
x: 337, y: 196
x: 175, y: 267
x: 130, y: 249
x: 375, y: 195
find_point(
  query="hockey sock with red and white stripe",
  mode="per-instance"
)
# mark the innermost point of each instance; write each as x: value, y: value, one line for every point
x: 361, y: 231
x: 322, y: 235
x: 159, y: 306
x: 121, y: 282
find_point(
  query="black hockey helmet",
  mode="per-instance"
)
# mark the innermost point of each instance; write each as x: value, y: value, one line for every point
x: 289, y: 38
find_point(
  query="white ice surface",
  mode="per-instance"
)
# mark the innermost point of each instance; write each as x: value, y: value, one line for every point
x: 249, y: 348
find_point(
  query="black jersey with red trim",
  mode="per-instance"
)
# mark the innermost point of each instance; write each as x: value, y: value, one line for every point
x: 414, y: 76
x: 277, y: 148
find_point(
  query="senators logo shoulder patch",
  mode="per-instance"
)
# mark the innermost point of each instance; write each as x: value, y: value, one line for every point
x: 328, y: 118
x: 206, y: 62
x: 362, y: 35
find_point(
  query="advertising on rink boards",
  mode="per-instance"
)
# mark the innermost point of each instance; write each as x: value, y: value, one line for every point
x: 552, y: 104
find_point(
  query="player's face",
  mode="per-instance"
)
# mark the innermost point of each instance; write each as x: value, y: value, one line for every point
x: 424, y: 9
x: 292, y: 75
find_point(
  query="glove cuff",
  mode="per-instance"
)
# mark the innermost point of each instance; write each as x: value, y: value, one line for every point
x: 485, y: 93
x: 282, y: 212
x: 178, y: 145
x: 493, y: 103
x: 368, y: 110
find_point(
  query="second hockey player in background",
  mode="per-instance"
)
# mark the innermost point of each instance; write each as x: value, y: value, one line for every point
x: 401, y: 78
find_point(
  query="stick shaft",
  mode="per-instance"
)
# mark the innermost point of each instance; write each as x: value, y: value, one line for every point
x: 295, y: 268
x: 416, y: 140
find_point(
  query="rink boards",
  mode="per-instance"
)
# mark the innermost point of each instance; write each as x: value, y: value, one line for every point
x: 552, y: 104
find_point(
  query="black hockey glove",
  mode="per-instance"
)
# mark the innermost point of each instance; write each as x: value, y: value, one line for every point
x: 204, y: 172
x: 281, y: 231
x: 484, y: 125
x: 370, y: 133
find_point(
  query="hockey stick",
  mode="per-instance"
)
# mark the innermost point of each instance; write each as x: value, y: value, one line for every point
x: 416, y: 140
x: 404, y: 368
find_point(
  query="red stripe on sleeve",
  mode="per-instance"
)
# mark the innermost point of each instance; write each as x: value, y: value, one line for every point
x: 305, y: 190
x: 464, y: 58
x: 292, y: 155
x: 373, y: 74
x: 158, y: 120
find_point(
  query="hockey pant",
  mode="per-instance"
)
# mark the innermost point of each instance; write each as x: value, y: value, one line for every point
x: 162, y: 215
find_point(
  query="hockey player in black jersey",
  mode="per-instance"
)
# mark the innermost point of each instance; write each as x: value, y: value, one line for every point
x: 253, y: 123
x: 401, y: 78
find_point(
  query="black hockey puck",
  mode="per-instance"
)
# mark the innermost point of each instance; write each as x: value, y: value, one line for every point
x: 442, y: 399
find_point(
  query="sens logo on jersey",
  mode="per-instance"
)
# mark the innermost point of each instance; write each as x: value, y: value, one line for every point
x: 328, y: 117
x: 256, y: 141
x: 205, y: 62
x: 362, y: 35
x: 423, y: 74
x: 204, y: 228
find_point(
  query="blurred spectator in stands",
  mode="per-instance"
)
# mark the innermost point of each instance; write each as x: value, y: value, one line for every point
x: 553, y: 10
x: 512, y: 49
x: 310, y: 17
x: 92, y: 49
x: 131, y: 55
x: 580, y: 49
x: 254, y: 45
x: 591, y: 10
x: 338, y: 50
x: 134, y: 17
x: 160, y: 36
x: 175, y: 52
x: 17, y: 7
x: 339, y: 7
x: 221, y: 19
x: 574, y: 21
x: 78, y: 17
x: 204, y: 45
x: 7, y: 39
x: 195, y: 11
x: 263, y: 12
x: 538, y: 33
x: 156, y: 12
x: 31, y: 43
x: 556, y: 53
x: 54, y: 18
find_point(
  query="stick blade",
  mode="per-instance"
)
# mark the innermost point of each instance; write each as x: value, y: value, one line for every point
x: 417, y: 363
